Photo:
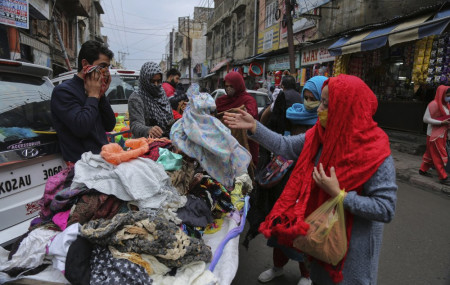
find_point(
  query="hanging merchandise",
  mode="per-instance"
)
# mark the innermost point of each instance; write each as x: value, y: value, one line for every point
x: 278, y: 78
x: 422, y: 55
x: 438, y: 68
x: 255, y: 69
x: 341, y: 64
x: 356, y: 67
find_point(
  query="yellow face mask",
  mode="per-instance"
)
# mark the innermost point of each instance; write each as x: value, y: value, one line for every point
x: 311, y: 105
x: 323, y: 117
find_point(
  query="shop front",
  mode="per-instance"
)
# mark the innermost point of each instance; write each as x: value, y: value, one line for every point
x: 315, y: 60
x: 279, y: 64
x: 402, y: 63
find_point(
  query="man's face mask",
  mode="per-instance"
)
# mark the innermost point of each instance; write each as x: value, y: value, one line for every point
x: 323, y: 117
x: 311, y: 105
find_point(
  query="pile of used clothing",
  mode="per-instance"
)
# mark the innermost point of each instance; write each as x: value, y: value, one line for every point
x: 137, y: 216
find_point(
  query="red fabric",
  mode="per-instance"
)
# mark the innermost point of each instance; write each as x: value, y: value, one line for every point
x: 436, y: 108
x: 434, y: 154
x: 241, y: 97
x: 176, y: 115
x: 352, y: 142
x: 169, y: 89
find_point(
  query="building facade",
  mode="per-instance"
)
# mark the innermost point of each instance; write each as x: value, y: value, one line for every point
x: 76, y: 21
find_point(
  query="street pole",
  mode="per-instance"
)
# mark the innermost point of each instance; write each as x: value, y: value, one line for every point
x: 290, y: 36
x: 171, y: 49
x: 189, y: 50
x: 61, y: 44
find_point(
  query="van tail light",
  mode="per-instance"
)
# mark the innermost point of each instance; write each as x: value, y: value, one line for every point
x: 10, y: 63
x: 125, y: 71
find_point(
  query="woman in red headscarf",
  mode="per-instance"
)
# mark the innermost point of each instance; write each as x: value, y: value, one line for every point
x: 438, y: 120
x: 344, y: 150
x: 236, y: 97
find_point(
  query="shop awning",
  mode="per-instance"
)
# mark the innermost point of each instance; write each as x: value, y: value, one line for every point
x: 207, y: 76
x: 219, y: 65
x: 413, y: 29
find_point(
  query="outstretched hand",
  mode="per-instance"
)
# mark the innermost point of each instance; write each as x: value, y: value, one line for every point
x: 329, y: 184
x: 240, y: 120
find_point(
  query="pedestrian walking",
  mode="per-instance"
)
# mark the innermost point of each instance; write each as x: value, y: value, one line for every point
x: 437, y: 116
x: 149, y: 108
x: 236, y: 97
x: 80, y: 112
x: 344, y: 151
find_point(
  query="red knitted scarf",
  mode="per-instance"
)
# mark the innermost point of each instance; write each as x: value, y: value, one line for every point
x: 352, y: 142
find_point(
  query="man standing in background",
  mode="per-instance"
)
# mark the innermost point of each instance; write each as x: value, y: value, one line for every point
x: 173, y: 77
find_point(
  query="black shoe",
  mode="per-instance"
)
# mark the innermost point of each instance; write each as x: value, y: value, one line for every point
x: 445, y: 181
x: 424, y: 173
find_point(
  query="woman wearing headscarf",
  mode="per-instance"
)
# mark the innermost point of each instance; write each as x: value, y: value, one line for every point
x: 304, y: 116
x: 438, y: 120
x: 236, y: 97
x: 344, y: 150
x: 149, y: 108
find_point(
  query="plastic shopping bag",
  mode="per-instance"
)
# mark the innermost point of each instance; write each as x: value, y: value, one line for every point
x: 326, y: 239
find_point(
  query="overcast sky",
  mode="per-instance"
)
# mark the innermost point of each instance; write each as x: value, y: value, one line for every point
x: 141, y: 27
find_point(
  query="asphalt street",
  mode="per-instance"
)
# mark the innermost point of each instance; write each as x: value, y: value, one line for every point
x: 416, y: 245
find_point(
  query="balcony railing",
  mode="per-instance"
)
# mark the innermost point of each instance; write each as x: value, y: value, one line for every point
x: 75, y: 7
x: 224, y: 10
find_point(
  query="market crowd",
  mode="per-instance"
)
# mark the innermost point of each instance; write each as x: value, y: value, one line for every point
x: 314, y: 166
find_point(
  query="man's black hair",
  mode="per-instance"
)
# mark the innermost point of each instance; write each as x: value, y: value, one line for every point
x: 91, y: 51
x: 272, y: 88
x: 173, y: 71
x: 288, y: 82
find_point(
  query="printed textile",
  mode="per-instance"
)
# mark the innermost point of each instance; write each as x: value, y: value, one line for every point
x: 206, y: 139
x: 105, y: 269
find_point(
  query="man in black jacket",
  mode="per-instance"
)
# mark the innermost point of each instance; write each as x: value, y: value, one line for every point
x: 81, y: 114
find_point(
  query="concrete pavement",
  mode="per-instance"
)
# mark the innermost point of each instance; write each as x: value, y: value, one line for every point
x: 407, y: 166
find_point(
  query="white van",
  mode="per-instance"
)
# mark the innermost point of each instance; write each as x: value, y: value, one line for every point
x: 29, y: 149
x: 123, y: 83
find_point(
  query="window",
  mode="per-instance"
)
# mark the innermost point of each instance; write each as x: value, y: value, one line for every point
x: 271, y: 9
x: 227, y: 39
x: 25, y: 106
x: 240, y: 29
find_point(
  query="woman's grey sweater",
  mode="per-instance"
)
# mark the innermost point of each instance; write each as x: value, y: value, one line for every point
x: 371, y: 209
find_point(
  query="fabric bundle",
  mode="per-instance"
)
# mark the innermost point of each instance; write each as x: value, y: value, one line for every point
x: 137, y: 232
x: 142, y: 181
x: 206, y: 139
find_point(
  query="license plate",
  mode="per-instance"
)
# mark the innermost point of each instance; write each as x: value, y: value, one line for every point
x: 24, y: 178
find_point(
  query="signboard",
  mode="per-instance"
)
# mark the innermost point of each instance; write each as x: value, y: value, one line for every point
x: 298, y: 26
x: 282, y: 62
x: 14, y: 13
x: 305, y: 6
x: 269, y: 39
x: 317, y: 54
